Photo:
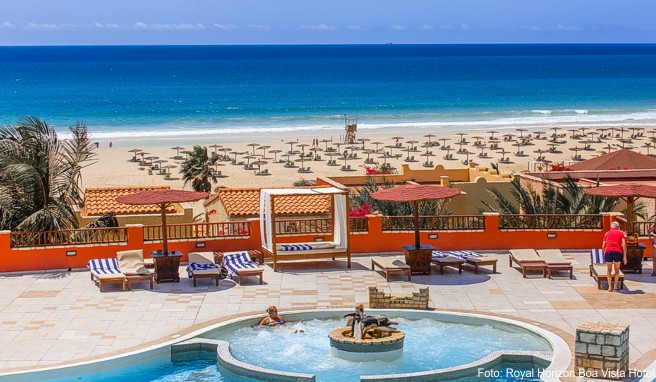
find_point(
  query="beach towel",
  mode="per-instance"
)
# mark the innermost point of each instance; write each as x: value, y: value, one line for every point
x: 296, y: 247
x: 236, y: 261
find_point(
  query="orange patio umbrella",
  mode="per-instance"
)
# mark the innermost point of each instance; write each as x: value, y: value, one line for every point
x: 163, y: 198
x: 628, y: 192
x: 415, y: 193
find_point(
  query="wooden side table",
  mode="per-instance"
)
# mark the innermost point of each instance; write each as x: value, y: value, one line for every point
x: 167, y: 266
x: 419, y: 259
x: 634, y: 255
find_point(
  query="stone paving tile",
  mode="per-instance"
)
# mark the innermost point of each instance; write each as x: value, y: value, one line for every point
x: 55, y: 317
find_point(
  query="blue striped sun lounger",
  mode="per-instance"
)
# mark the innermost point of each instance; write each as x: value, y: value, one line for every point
x: 241, y: 264
x: 193, y: 267
x: 106, y: 271
x: 471, y: 257
x: 599, y: 270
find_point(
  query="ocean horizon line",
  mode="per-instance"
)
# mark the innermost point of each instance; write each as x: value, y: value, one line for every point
x: 256, y: 44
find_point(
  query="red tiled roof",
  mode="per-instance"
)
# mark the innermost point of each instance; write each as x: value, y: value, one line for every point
x: 99, y: 201
x: 161, y: 196
x: 246, y: 202
x: 624, y: 159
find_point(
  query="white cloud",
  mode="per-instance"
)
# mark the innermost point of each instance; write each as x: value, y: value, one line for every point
x: 533, y: 28
x: 7, y: 25
x: 168, y: 27
x: 43, y: 26
x: 465, y: 27
x: 562, y: 27
x: 225, y: 26
x: 397, y: 27
x: 319, y: 27
x: 259, y: 26
x: 107, y: 26
x: 354, y: 27
x: 427, y: 27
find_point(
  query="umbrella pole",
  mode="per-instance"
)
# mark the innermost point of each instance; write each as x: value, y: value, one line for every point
x: 630, y: 208
x: 415, y: 207
x: 164, y: 233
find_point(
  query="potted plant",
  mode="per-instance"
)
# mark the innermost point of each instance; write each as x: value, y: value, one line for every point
x: 632, y: 239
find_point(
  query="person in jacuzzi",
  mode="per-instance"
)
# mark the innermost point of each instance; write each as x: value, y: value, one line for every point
x: 274, y: 320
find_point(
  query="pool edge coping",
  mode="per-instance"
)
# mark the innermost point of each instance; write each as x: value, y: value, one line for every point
x: 559, y: 362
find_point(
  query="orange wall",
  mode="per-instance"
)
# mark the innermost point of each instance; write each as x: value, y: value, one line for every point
x: 374, y: 240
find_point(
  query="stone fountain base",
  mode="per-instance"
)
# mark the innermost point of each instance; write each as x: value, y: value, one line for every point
x: 377, y: 345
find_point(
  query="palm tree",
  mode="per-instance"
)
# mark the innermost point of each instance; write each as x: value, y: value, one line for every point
x: 40, y: 175
x: 567, y: 199
x: 426, y: 208
x: 196, y: 170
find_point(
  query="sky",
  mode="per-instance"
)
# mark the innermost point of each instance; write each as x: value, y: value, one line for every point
x: 170, y: 22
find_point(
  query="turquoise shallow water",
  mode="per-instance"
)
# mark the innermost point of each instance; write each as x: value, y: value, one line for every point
x: 136, y: 91
x: 429, y: 344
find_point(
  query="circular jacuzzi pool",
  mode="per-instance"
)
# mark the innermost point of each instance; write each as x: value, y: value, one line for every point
x: 438, y: 346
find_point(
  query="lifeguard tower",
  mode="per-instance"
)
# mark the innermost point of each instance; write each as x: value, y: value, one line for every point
x: 351, y: 126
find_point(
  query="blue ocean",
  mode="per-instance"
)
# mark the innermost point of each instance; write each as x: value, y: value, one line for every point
x: 145, y: 91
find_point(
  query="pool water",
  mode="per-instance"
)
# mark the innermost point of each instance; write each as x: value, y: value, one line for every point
x: 429, y: 345
x: 207, y: 371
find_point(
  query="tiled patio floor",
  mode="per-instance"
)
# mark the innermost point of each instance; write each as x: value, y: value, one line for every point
x: 51, y: 318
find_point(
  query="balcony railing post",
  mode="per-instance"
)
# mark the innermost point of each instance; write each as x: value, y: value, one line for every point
x: 5, y: 242
x: 375, y: 225
x: 492, y: 220
x: 135, y: 236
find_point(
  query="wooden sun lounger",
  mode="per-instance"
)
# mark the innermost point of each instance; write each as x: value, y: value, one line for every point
x: 132, y: 265
x: 556, y: 262
x: 470, y: 257
x: 105, y: 271
x: 528, y: 260
x: 103, y: 279
x: 204, y: 258
x: 599, y: 270
x: 391, y: 266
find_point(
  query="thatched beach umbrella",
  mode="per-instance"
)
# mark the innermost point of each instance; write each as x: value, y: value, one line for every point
x: 275, y: 153
x: 135, y: 151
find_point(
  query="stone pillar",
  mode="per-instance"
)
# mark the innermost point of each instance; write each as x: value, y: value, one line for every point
x: 602, y: 350
x: 444, y: 181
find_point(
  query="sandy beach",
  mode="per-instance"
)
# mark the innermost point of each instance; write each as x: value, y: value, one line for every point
x: 115, y: 168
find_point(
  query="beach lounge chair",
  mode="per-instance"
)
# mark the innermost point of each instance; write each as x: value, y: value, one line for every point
x: 442, y: 259
x: 471, y: 258
x: 528, y: 260
x: 202, y: 266
x: 556, y: 261
x: 391, y: 266
x: 106, y: 271
x: 599, y: 270
x: 241, y: 264
x: 131, y: 263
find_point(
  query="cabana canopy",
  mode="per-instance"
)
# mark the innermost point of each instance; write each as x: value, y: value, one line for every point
x: 339, y: 213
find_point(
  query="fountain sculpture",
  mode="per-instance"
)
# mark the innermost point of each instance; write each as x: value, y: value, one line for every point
x: 367, y: 338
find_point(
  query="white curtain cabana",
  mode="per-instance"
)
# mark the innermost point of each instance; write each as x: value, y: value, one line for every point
x: 338, y: 247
